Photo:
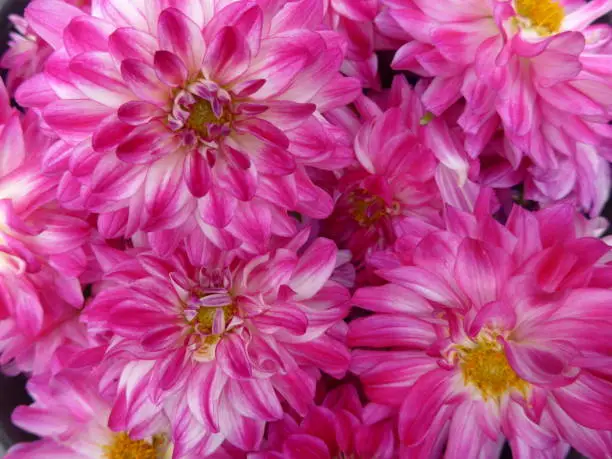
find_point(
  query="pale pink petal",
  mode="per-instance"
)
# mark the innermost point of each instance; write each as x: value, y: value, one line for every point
x: 227, y: 57
x: 314, y: 268
x: 49, y: 18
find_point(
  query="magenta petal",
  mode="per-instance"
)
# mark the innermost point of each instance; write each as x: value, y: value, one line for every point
x: 197, y: 174
x: 241, y: 431
x: 145, y: 143
x: 203, y: 392
x: 265, y: 131
x: 143, y: 81
x: 241, y: 183
x: 255, y: 398
x: 232, y: 357
x: 422, y: 405
x: 217, y: 208
x: 86, y: 33
x: 180, y: 35
x: 110, y: 134
x: 227, y: 57
x: 95, y: 74
x: 314, y: 268
x: 389, y: 330
x: 75, y: 120
x: 130, y: 43
x: 302, y: 446
x: 170, y: 69
x: 138, y: 112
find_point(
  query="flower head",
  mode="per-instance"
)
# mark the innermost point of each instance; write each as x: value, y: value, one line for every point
x: 220, y: 341
x: 41, y: 252
x: 492, y: 331
x: 535, y: 69
x: 71, y: 417
x: 205, y: 114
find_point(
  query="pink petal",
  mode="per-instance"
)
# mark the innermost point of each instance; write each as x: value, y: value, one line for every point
x: 302, y: 446
x: 422, y: 405
x: 110, y: 133
x: 255, y: 398
x: 227, y: 57
x: 143, y: 81
x: 197, y: 174
x: 425, y: 283
x: 170, y: 69
x: 75, y: 120
x: 130, y: 43
x: 49, y: 18
x: 232, y: 357
x: 217, y: 208
x: 203, y: 392
x: 388, y: 330
x: 544, y: 366
x: 314, y: 268
x: 86, y: 33
x: 180, y: 35
x: 95, y: 74
x: 391, y: 298
x: 138, y: 112
x: 145, y: 144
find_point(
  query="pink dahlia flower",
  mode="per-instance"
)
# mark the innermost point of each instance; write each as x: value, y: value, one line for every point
x: 401, y: 172
x: 493, y: 331
x: 41, y: 252
x: 537, y: 67
x: 205, y: 113
x: 71, y: 418
x: 218, y: 342
x: 339, y: 427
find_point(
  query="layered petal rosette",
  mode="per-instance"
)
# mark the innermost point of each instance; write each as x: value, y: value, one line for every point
x: 539, y: 69
x: 408, y: 165
x: 218, y: 342
x: 492, y: 331
x: 41, y: 252
x: 339, y: 427
x: 71, y: 419
x: 205, y: 113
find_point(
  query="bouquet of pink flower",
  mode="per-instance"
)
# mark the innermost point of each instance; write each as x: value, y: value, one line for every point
x: 230, y: 229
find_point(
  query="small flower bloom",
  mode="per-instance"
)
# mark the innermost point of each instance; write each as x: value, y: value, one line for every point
x: 403, y: 171
x: 71, y: 418
x: 218, y: 341
x: 535, y: 68
x: 202, y: 115
x: 492, y: 331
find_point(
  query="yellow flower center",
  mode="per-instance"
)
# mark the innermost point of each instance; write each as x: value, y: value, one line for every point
x: 202, y: 114
x: 367, y: 209
x: 485, y: 366
x: 123, y: 447
x: 545, y: 16
x: 206, y: 317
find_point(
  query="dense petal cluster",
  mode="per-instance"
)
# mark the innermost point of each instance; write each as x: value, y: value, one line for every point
x: 222, y: 340
x: 308, y: 229
x: 506, y: 325
x: 537, y: 69
x: 180, y: 117
x: 339, y: 427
